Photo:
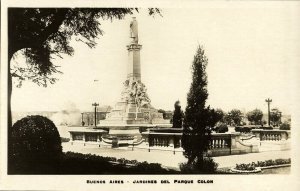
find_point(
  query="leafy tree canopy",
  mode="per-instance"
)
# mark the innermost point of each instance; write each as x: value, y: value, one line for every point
x: 275, y: 116
x: 285, y: 126
x: 234, y: 117
x: 219, y: 115
x: 42, y: 34
x: 177, y: 116
x: 163, y: 112
x: 255, y: 116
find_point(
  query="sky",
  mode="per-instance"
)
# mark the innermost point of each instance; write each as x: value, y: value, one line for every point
x: 251, y: 54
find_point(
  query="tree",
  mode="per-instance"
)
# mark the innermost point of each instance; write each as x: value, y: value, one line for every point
x: 177, y: 116
x: 275, y: 116
x: 198, y: 119
x: 221, y: 128
x: 163, y: 112
x: 219, y: 115
x: 42, y: 34
x: 285, y: 126
x: 255, y: 116
x: 234, y: 117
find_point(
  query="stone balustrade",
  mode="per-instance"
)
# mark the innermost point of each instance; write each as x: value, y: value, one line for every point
x: 220, y: 140
x: 169, y: 139
x: 86, y: 135
x: 153, y: 139
x: 271, y: 135
x: 220, y: 144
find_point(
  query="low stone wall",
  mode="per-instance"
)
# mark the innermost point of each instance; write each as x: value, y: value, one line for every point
x: 221, y: 144
x: 273, y: 140
x: 169, y: 139
x: 86, y: 135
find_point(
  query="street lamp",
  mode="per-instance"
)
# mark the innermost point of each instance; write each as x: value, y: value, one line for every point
x: 95, y: 105
x: 280, y: 115
x: 268, y: 101
x: 82, y: 122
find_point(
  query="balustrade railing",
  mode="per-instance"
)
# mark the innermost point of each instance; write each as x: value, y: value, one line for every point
x: 161, y: 141
x: 220, y: 141
x: 271, y: 135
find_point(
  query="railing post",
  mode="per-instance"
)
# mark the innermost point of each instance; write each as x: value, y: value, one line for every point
x: 230, y: 140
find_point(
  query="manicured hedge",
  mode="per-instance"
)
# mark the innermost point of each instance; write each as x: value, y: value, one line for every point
x: 77, y: 163
x: 35, y: 144
x: 285, y: 126
x: 246, y: 129
x: 221, y: 128
x: 63, y: 139
x: 243, y: 129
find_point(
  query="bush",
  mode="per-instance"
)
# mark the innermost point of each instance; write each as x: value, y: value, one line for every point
x: 221, y: 128
x: 63, y: 139
x: 209, y: 167
x: 243, y: 129
x: 245, y: 167
x: 35, y: 146
x: 266, y: 128
x: 285, y: 126
x: 148, y: 168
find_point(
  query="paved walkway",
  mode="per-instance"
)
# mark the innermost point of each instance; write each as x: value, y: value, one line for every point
x: 168, y: 158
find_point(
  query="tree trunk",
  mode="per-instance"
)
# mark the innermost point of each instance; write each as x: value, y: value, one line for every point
x: 9, y: 94
x: 9, y: 115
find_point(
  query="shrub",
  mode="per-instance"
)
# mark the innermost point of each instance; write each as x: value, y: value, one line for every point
x: 63, y: 139
x: 245, y: 167
x: 35, y: 146
x: 209, y: 167
x: 237, y: 129
x: 221, y: 128
x: 243, y: 129
x: 150, y: 168
x: 285, y: 126
x: 266, y: 128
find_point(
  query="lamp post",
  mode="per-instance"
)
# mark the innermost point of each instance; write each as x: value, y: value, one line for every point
x: 95, y: 105
x: 280, y: 115
x: 82, y: 119
x: 268, y: 101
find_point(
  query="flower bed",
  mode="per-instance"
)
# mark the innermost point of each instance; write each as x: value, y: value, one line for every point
x: 256, y: 167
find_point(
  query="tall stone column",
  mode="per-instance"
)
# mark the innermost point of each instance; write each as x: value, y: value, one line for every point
x: 134, y: 65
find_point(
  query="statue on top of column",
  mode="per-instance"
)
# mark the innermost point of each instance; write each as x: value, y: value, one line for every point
x: 134, y: 31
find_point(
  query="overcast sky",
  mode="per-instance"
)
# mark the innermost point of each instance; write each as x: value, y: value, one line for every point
x: 251, y: 53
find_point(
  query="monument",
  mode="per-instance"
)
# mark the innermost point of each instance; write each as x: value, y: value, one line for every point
x: 134, y: 112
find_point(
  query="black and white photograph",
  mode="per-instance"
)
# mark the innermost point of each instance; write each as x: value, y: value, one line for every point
x: 137, y: 95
